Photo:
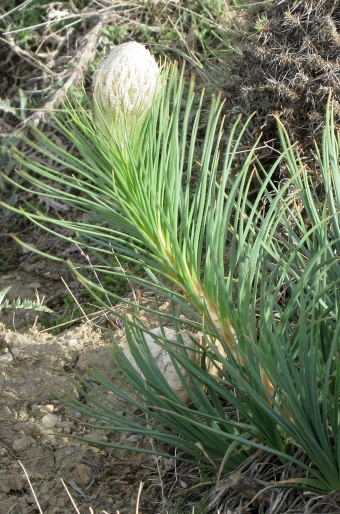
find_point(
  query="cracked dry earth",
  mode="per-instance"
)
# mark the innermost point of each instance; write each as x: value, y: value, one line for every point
x: 35, y: 428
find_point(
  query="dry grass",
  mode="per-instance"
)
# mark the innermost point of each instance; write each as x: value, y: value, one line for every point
x: 289, y: 65
x: 261, y: 485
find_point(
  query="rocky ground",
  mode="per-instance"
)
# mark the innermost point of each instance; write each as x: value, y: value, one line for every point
x: 35, y: 427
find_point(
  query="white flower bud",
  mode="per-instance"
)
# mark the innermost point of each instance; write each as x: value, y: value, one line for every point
x: 124, y: 88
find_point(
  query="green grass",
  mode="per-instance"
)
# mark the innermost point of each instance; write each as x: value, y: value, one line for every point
x: 278, y: 356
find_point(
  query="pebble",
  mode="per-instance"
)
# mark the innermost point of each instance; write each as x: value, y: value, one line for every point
x: 34, y: 285
x: 26, y: 267
x: 46, y: 409
x: 75, y: 344
x: 49, y: 420
x: 84, y: 474
x: 6, y: 357
x: 6, y: 412
x: 12, y: 482
x: 134, y: 438
x: 23, y: 443
x: 15, y: 351
x: 96, y: 437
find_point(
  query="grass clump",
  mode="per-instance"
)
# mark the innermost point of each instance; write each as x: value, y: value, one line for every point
x: 256, y: 276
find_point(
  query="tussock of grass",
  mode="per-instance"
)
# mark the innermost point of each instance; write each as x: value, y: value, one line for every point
x: 272, y: 303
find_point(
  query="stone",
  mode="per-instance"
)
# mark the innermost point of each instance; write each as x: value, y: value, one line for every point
x: 74, y: 343
x: 49, y: 420
x: 15, y: 350
x: 12, y: 482
x: 34, y: 285
x: 23, y: 443
x: 163, y: 359
x: 84, y: 474
x: 192, y: 342
x: 46, y: 409
x: 6, y: 412
x: 6, y: 357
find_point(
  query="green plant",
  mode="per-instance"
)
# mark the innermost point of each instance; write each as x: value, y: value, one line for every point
x: 115, y: 33
x: 24, y: 19
x: 8, y: 193
x: 257, y: 277
x: 124, y: 88
x: 7, y: 164
x: 71, y: 314
x: 20, y: 304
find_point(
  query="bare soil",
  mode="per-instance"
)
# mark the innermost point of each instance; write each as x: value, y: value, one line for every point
x: 35, y: 428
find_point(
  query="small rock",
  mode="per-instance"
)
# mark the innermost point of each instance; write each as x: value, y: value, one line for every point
x: 30, y: 499
x: 96, y: 437
x: 12, y: 482
x: 49, y: 420
x: 26, y: 267
x: 46, y: 409
x: 23, y: 415
x: 163, y: 360
x: 134, y: 438
x: 34, y: 285
x: 15, y: 351
x: 84, y: 474
x: 61, y: 503
x: 6, y: 412
x: 75, y: 344
x: 74, y: 284
x: 71, y: 360
x: 23, y: 443
x: 6, y: 357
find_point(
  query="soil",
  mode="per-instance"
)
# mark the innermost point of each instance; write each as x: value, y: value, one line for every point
x: 35, y: 427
